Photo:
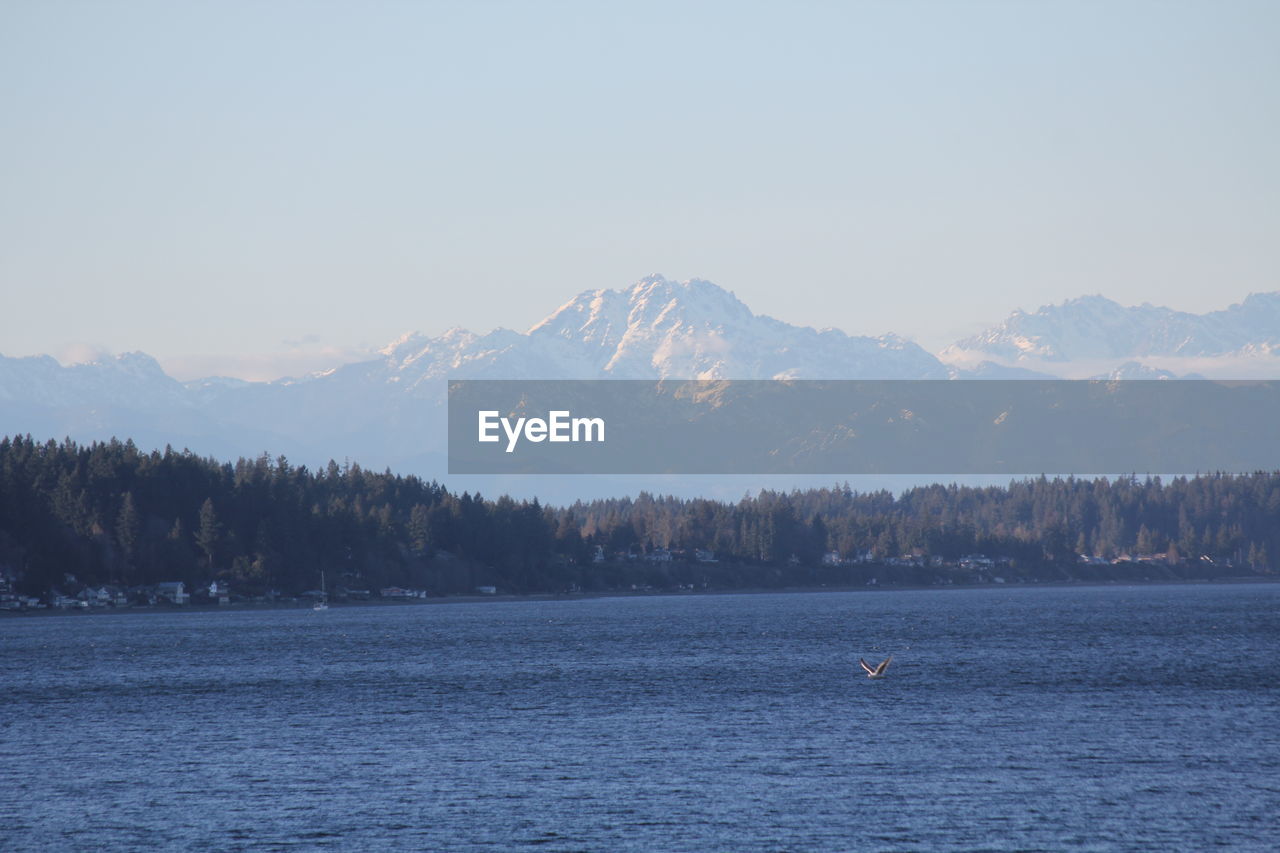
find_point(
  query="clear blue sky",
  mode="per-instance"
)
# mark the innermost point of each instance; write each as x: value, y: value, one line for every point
x: 231, y: 185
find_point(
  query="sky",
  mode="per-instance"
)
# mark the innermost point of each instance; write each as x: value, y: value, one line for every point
x: 262, y: 189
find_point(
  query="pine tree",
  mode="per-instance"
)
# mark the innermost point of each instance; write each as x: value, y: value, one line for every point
x: 128, y: 525
x: 419, y: 528
x: 209, y: 533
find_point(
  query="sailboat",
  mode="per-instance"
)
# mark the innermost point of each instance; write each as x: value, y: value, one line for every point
x: 323, y: 603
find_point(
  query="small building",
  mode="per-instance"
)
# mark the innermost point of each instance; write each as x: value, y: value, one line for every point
x: 704, y: 556
x: 103, y: 596
x: 220, y: 591
x: 174, y: 592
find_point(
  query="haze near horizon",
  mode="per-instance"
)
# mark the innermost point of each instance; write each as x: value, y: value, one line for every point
x: 263, y: 190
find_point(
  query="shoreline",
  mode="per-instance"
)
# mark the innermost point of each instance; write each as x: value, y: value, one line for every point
x: 585, y: 596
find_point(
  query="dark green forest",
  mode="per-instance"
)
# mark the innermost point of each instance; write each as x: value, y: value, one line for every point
x: 109, y: 513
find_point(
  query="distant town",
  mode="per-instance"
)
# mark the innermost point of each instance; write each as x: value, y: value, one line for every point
x: 861, y: 569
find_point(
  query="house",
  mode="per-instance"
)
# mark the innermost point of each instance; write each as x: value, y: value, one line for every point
x: 100, y: 597
x: 704, y: 556
x: 831, y: 558
x: 220, y: 591
x: 174, y: 592
x: 104, y: 596
x: 658, y: 555
x: 487, y: 590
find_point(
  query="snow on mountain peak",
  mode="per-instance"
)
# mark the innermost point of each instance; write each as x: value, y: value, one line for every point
x: 136, y: 364
x: 660, y: 328
x: 405, y: 341
x: 654, y: 328
x: 1095, y: 327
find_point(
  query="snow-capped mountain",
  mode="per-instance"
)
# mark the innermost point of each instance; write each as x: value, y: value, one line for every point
x: 1093, y: 330
x: 658, y: 329
x: 1138, y: 370
x: 129, y: 376
x: 388, y: 410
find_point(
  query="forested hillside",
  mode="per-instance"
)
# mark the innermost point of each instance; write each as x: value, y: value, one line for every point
x: 109, y: 513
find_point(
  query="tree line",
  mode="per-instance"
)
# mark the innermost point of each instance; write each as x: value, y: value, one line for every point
x: 110, y: 513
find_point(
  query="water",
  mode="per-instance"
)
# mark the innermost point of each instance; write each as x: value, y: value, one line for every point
x: 1011, y: 719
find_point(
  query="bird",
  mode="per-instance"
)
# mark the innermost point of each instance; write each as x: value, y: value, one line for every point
x: 875, y: 672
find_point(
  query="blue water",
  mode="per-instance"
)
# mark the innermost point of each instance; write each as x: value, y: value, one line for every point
x: 1011, y: 719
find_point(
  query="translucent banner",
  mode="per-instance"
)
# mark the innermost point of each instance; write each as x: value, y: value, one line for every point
x: 862, y: 426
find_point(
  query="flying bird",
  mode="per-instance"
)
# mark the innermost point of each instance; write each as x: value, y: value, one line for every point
x: 875, y: 672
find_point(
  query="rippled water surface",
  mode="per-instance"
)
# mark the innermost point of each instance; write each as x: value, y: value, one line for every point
x: 1011, y: 719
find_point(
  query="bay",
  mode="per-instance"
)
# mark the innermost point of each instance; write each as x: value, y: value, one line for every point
x: 1094, y: 718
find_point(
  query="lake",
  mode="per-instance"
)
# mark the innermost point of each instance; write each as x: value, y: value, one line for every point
x: 1103, y: 718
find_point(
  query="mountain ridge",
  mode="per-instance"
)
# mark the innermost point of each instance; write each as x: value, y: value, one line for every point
x: 1094, y: 327
x: 388, y: 409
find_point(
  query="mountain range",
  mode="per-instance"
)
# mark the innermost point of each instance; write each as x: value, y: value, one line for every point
x: 1093, y: 330
x: 388, y: 411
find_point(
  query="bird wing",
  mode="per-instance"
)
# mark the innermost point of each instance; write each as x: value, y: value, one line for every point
x: 884, y: 665
x: 866, y: 666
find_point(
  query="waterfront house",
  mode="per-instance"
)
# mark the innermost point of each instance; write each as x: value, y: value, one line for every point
x: 220, y: 591
x: 174, y: 592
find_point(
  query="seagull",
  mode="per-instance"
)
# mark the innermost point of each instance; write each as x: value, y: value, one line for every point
x: 875, y: 672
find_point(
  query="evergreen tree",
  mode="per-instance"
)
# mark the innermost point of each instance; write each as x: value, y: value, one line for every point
x: 209, y: 532
x: 128, y: 524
